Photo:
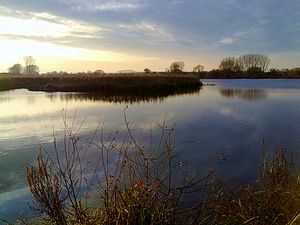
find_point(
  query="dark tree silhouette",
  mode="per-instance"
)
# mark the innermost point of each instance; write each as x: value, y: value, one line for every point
x: 15, y: 69
x: 32, y: 70
x: 177, y: 67
x: 98, y: 72
x: 198, y: 69
x: 30, y: 67
x: 146, y: 70
x: 251, y: 63
x: 228, y: 64
x: 254, y: 62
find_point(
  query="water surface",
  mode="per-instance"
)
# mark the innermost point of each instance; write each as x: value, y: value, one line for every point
x: 230, y: 118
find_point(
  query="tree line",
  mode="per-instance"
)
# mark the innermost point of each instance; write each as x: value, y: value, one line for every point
x: 246, y: 63
x: 254, y: 65
x: 244, y: 66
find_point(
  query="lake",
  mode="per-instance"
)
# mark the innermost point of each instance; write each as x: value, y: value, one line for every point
x: 230, y: 118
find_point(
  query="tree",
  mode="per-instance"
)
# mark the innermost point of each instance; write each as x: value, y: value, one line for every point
x: 254, y: 70
x: 62, y: 73
x: 254, y: 62
x: 228, y: 64
x: 15, y: 69
x: 34, y: 70
x: 146, y: 70
x: 177, y: 67
x: 198, y: 69
x: 53, y: 73
x: 30, y: 67
x: 239, y: 64
x: 98, y: 72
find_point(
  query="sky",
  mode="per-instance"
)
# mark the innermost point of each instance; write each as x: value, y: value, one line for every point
x: 113, y: 35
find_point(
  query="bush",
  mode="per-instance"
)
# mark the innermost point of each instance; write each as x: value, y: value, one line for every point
x: 141, y: 188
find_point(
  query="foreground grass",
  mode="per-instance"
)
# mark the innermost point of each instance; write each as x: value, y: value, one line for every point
x: 147, y: 185
x: 109, y: 84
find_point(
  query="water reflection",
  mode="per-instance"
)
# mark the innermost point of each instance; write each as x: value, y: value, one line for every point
x: 4, y: 97
x: 157, y: 97
x: 235, y: 128
x: 11, y: 95
x: 245, y: 94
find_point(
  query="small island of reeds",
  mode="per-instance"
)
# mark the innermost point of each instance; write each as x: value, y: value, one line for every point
x: 103, y: 84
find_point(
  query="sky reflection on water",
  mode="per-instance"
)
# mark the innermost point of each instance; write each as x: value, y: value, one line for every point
x: 231, y: 118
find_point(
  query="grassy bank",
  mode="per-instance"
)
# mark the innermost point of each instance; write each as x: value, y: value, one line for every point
x: 109, y: 84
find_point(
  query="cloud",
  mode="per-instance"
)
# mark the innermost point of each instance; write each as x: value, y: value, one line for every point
x: 30, y: 27
x: 149, y: 29
x: 113, y: 6
x: 226, y: 111
x: 229, y: 112
x: 227, y: 41
x: 31, y: 24
x: 192, y: 29
x: 75, y: 27
x: 102, y: 5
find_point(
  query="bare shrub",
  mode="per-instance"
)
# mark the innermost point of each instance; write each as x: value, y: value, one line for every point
x: 142, y: 186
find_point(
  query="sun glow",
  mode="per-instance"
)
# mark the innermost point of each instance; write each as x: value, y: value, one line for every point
x: 47, y: 37
x: 44, y: 40
x: 31, y: 27
x: 49, y: 56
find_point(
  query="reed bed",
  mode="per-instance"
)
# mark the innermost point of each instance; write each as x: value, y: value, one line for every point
x: 113, y: 83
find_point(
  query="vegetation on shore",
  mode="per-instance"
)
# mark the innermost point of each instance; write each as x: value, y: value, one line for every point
x: 248, y: 66
x: 147, y: 184
x: 108, y: 84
